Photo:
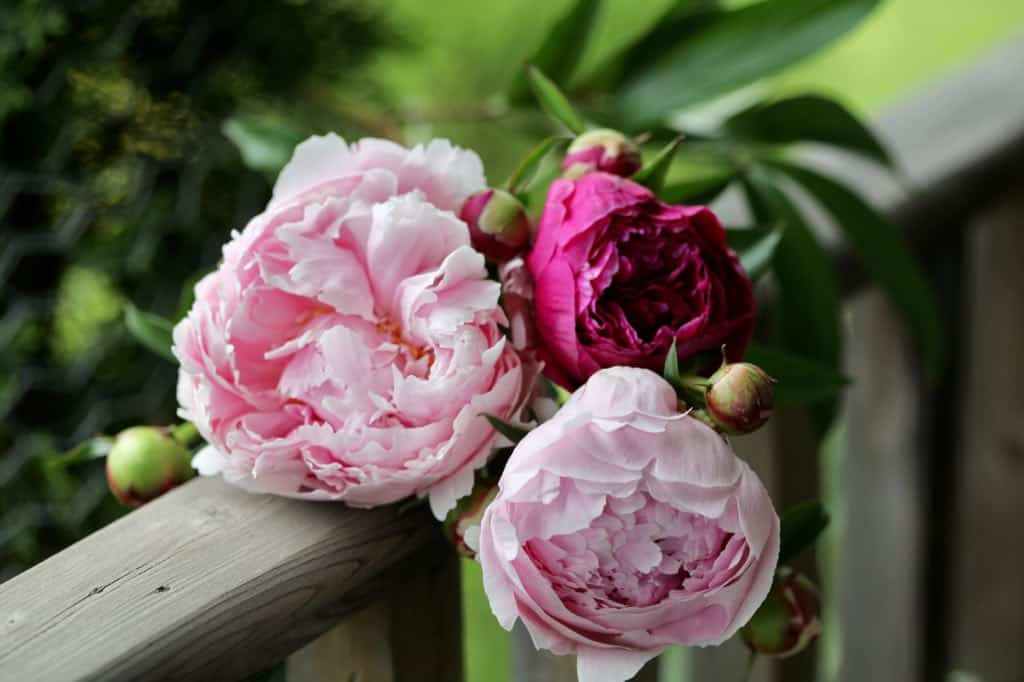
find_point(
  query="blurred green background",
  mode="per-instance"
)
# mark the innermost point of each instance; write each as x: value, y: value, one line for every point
x: 119, y: 179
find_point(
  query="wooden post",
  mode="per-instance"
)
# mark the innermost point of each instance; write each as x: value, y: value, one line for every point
x: 988, y: 564
x: 878, y: 522
x: 412, y: 635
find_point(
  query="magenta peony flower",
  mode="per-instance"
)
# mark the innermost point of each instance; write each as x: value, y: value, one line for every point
x: 348, y: 346
x: 622, y: 527
x: 619, y: 275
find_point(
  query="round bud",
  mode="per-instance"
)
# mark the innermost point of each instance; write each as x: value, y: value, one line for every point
x: 740, y: 397
x: 462, y: 525
x: 498, y: 225
x: 144, y: 463
x: 788, y: 620
x: 602, y: 150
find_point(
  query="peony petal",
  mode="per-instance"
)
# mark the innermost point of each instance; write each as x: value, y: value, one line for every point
x: 610, y: 665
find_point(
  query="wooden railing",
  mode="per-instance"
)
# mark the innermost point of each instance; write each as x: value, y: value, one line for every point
x: 209, y: 582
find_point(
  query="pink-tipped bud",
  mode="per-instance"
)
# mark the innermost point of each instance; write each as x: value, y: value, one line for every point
x: 498, y: 225
x: 462, y: 526
x: 788, y: 620
x: 144, y: 463
x: 602, y: 150
x: 740, y: 397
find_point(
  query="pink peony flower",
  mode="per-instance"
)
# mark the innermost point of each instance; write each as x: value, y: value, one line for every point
x: 622, y: 527
x: 348, y: 346
x: 619, y: 275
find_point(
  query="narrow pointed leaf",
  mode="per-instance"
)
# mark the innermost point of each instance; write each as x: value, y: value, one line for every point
x: 553, y: 101
x: 808, y: 304
x: 511, y: 431
x: 755, y: 248
x: 653, y: 174
x: 801, y: 526
x: 800, y: 380
x: 886, y: 258
x: 152, y: 331
x: 671, y: 372
x: 698, y: 191
x: 527, y: 169
x: 559, y: 55
x: 730, y: 49
x: 808, y: 118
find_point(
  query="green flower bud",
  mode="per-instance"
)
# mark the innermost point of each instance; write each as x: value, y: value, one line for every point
x: 788, y: 620
x: 144, y: 463
x: 740, y: 397
x: 462, y: 526
x: 498, y: 225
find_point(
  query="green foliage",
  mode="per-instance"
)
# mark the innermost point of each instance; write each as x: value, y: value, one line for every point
x: 118, y: 184
x: 810, y: 118
x: 801, y: 526
x: 755, y: 248
x: 152, y: 331
x: 885, y: 256
x: 554, y: 101
x: 526, y: 171
x: 800, y: 381
x: 511, y: 431
x: 559, y: 54
x: 654, y: 173
x: 708, y: 53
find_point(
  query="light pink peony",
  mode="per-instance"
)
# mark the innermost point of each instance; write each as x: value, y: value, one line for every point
x: 349, y: 344
x: 623, y: 526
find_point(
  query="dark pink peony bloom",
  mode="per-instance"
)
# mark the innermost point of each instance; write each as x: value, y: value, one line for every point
x: 619, y: 275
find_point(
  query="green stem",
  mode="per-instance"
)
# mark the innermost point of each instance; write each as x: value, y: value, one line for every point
x: 185, y: 433
x: 748, y: 674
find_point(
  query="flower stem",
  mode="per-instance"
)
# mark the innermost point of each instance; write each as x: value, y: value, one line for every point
x: 748, y: 674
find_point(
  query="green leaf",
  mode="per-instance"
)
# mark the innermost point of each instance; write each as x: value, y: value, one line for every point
x: 800, y: 380
x: 730, y: 49
x: 801, y: 526
x: 672, y: 372
x: 527, y: 169
x: 886, y: 258
x: 552, y: 100
x: 559, y: 54
x: 695, y: 190
x: 653, y: 174
x: 755, y: 248
x: 152, y: 331
x: 808, y: 118
x: 511, y: 431
x: 557, y: 393
x: 808, y: 304
x: 265, y: 145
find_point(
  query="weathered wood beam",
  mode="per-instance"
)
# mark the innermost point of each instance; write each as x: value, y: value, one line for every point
x: 205, y: 583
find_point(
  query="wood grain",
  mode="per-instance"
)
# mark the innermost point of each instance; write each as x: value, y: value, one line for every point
x: 988, y: 576
x: 880, y: 517
x: 206, y: 583
x: 413, y: 633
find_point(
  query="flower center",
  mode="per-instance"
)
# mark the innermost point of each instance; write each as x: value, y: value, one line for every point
x: 637, y: 558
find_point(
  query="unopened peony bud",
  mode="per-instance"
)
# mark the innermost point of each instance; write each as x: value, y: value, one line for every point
x: 603, y: 150
x: 144, y: 463
x: 740, y: 397
x: 463, y: 523
x: 789, y: 618
x: 498, y: 225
